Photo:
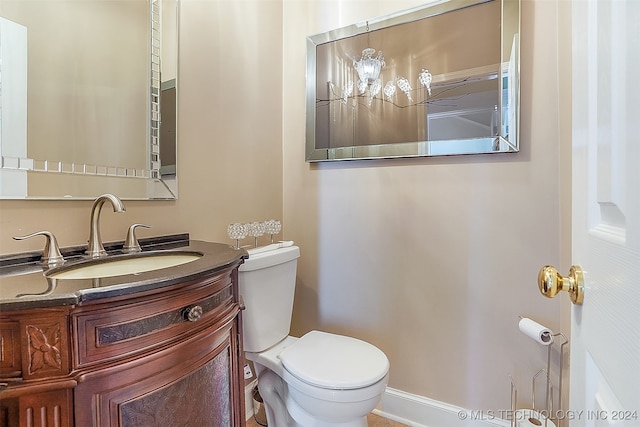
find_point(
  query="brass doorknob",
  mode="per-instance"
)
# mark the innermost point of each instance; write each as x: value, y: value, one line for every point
x: 551, y: 282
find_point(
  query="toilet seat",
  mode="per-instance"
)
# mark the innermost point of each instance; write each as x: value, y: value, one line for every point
x: 334, y: 362
x: 320, y: 390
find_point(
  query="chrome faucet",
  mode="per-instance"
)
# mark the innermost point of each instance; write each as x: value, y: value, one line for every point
x: 51, y: 256
x: 95, y: 248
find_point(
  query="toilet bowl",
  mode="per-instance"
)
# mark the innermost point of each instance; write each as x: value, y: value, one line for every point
x: 319, y: 379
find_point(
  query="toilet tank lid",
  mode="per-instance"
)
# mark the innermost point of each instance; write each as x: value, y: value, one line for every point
x: 270, y: 258
x: 334, y: 361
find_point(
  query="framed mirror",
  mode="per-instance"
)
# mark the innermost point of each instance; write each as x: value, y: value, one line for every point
x: 441, y: 79
x: 87, y: 91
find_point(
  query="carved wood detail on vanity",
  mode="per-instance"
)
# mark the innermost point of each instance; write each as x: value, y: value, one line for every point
x: 44, y: 348
x: 34, y: 344
x: 35, y: 367
x: 52, y: 408
x: 45, y: 340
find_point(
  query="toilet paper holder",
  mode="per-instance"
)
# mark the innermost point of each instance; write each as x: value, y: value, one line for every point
x: 545, y: 373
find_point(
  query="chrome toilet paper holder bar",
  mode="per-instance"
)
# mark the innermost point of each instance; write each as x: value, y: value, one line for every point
x: 548, y: 410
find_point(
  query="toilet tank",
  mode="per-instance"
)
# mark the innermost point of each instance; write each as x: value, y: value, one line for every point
x: 267, y: 283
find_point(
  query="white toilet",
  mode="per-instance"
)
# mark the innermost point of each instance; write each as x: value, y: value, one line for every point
x: 320, y: 379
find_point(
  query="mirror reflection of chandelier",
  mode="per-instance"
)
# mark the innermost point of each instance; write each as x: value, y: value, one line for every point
x: 425, y: 79
x: 369, y: 67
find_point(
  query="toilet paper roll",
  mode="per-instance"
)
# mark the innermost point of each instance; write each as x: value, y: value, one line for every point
x: 531, y: 418
x: 536, y: 331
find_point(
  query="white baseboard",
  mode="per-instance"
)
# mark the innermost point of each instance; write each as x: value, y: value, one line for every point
x: 414, y: 410
x: 419, y: 411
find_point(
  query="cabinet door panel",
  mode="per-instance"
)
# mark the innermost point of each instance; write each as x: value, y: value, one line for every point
x: 190, y: 383
x: 200, y: 399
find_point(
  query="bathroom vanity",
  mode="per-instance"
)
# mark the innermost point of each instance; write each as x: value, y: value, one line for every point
x: 160, y: 347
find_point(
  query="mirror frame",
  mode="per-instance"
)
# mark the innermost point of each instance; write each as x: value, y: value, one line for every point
x: 509, y: 73
x: 93, y: 180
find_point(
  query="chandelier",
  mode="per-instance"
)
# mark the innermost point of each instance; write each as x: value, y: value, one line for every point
x: 369, y: 67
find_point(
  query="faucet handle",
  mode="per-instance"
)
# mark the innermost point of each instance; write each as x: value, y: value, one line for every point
x: 131, y: 244
x: 51, y: 255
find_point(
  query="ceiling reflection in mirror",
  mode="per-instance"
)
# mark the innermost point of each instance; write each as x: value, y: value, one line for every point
x: 81, y: 84
x: 436, y: 80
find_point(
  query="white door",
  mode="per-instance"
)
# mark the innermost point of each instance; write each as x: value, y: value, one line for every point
x: 605, y: 330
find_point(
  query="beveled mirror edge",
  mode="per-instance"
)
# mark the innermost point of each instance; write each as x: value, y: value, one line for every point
x: 409, y: 149
x: 15, y: 171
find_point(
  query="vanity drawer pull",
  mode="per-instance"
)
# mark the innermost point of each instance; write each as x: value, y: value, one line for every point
x: 193, y: 313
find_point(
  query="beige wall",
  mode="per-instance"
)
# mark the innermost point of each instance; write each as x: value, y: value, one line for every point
x: 430, y: 259
x: 433, y: 260
x: 230, y: 152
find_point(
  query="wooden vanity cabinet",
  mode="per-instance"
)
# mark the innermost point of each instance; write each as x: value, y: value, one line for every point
x: 164, y: 357
x: 36, y: 385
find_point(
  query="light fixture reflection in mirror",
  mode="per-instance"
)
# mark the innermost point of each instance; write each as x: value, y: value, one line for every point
x: 434, y: 80
x: 92, y: 128
x: 368, y: 67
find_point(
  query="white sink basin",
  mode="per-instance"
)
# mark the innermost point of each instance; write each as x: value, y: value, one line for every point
x: 120, y: 267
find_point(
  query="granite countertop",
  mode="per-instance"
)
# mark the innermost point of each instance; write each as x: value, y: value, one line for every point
x: 23, y: 283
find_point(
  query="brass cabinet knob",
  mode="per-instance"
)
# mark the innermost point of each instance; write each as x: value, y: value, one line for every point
x: 194, y: 313
x: 551, y: 282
